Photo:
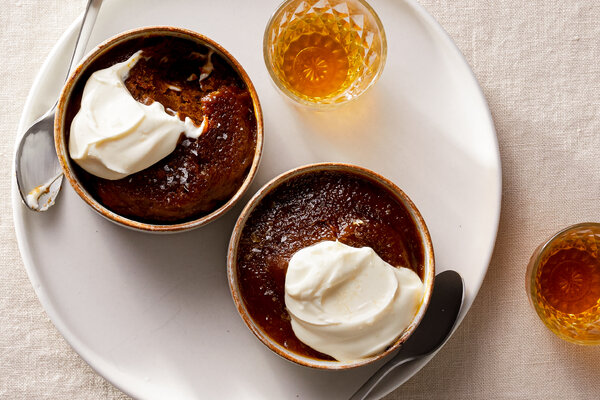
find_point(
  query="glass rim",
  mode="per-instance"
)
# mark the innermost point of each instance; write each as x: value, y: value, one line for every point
x: 555, y: 236
x: 540, y: 249
x: 317, y: 105
x: 532, y: 269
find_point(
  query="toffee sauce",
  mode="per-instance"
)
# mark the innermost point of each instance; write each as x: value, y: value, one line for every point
x: 201, y: 174
x: 308, y: 209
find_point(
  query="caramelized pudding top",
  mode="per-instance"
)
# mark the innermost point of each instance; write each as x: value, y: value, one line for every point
x: 311, y: 208
x: 200, y: 175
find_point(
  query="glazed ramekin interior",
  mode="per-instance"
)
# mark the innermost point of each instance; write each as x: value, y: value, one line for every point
x: 232, y: 273
x: 60, y: 138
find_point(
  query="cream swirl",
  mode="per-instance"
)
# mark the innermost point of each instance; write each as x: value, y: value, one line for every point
x: 347, y: 302
x: 113, y: 135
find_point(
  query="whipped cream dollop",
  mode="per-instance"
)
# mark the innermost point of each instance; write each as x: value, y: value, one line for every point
x: 113, y: 135
x: 347, y: 302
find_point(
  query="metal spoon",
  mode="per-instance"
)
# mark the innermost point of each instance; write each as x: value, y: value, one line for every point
x: 431, y: 333
x: 37, y: 169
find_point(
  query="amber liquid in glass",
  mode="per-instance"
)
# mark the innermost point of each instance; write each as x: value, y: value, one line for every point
x: 315, y: 65
x: 567, y: 286
x: 320, y: 56
x: 569, y: 281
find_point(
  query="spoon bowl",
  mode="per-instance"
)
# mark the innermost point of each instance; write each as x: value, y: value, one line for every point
x: 434, y: 329
x: 38, y: 172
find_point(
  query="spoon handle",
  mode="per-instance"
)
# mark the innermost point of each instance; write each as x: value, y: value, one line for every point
x: 432, y: 332
x: 89, y: 18
x: 381, y: 373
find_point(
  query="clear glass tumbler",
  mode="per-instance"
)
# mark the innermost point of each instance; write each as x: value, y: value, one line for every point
x: 322, y: 53
x: 563, y: 283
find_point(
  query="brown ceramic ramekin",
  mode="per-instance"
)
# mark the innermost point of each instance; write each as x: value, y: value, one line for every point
x: 62, y: 145
x: 232, y: 256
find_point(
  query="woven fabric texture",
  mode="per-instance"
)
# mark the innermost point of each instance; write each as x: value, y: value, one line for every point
x: 537, y: 63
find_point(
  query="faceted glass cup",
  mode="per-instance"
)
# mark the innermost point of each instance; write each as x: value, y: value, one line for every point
x: 323, y: 53
x: 563, y: 283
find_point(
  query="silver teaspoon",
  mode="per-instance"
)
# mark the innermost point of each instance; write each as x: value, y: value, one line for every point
x: 431, y: 333
x: 37, y: 169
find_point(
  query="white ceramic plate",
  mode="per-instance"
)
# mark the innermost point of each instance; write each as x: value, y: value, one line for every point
x: 153, y: 314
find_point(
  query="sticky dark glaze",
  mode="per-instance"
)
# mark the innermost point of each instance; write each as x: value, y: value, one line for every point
x: 200, y: 175
x: 307, y: 209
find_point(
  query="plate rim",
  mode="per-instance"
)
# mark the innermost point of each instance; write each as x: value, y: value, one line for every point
x: 119, y: 380
x: 490, y: 120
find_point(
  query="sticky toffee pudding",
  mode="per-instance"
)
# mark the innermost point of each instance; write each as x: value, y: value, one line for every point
x: 306, y: 209
x: 190, y: 80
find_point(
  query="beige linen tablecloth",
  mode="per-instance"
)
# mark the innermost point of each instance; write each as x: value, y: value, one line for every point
x: 538, y: 63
